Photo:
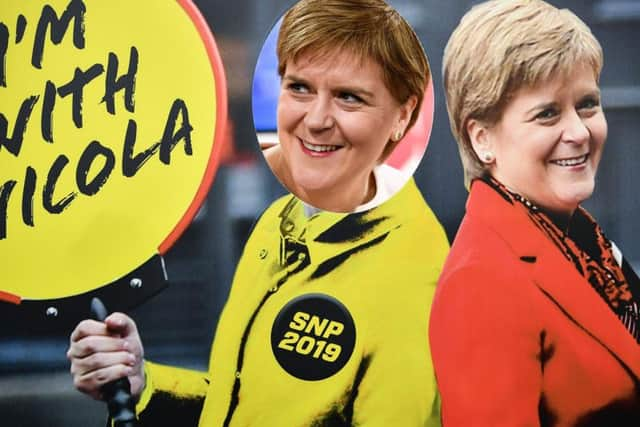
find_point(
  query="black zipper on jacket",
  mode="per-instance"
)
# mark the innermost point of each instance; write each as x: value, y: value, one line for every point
x: 236, y: 384
x: 290, y: 270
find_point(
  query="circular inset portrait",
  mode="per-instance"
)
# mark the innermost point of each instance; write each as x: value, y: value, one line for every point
x: 342, y: 102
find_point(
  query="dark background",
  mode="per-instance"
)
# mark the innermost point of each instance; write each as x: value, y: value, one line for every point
x: 178, y: 325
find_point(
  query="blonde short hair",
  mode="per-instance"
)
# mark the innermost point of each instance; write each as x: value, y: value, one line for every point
x: 501, y: 46
x: 368, y: 29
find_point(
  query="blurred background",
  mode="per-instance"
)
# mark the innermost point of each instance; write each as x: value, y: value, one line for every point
x: 178, y: 325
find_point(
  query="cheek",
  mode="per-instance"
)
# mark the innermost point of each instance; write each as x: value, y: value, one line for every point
x: 542, y: 143
x: 599, y: 132
x: 366, y: 131
x: 352, y: 128
x: 369, y: 141
x: 281, y: 114
x: 288, y: 113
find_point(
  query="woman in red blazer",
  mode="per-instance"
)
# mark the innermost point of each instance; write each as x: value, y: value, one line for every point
x: 535, y: 319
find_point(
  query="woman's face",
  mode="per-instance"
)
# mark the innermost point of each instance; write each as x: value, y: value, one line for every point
x: 335, y: 117
x: 549, y: 141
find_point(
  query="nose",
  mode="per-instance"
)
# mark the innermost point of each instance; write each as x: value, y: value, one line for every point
x: 319, y: 115
x: 575, y: 129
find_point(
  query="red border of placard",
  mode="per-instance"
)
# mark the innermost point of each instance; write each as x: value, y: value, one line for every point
x: 221, y: 123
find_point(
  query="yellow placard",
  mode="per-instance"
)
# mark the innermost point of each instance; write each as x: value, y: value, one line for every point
x: 108, y: 115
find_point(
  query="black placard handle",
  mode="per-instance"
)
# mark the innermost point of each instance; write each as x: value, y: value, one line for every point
x: 117, y: 393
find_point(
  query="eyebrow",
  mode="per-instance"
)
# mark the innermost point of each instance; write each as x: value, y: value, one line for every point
x: 351, y: 89
x: 544, y: 105
x: 357, y: 91
x: 541, y: 106
x: 596, y: 93
x: 294, y: 78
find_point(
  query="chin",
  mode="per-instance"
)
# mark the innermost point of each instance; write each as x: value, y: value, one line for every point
x: 308, y: 182
x: 574, y: 195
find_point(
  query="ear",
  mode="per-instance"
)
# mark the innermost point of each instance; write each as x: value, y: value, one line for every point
x: 399, y: 129
x: 406, y: 110
x: 480, y: 140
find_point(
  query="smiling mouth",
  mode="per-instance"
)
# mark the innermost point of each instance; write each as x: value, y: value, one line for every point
x: 319, y: 148
x: 573, y: 161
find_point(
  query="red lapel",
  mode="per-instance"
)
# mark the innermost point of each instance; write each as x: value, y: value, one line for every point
x: 554, y: 274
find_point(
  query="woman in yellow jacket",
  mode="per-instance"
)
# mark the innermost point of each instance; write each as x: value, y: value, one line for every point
x: 326, y: 320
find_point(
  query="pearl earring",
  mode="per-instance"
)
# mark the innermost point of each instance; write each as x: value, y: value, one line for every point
x: 488, y: 157
x: 397, y: 136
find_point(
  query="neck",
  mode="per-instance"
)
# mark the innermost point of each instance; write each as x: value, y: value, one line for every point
x: 561, y: 219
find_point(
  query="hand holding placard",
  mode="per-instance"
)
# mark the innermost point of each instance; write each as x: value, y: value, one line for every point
x: 106, y: 357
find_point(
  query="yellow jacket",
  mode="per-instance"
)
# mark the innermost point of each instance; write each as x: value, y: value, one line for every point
x: 340, y: 299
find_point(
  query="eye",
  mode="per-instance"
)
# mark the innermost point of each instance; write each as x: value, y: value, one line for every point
x: 588, y: 106
x: 588, y: 103
x: 297, y: 88
x: 350, y: 98
x: 547, y: 114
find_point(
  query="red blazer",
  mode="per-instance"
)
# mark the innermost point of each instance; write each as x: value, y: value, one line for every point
x: 519, y: 337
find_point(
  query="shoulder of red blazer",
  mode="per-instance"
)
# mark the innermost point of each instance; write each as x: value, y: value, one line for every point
x: 494, y: 232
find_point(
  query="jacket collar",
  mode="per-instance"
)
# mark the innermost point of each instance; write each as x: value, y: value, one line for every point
x: 553, y: 274
x: 328, y: 234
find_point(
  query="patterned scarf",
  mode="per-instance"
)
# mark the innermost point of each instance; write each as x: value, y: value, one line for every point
x: 587, y: 248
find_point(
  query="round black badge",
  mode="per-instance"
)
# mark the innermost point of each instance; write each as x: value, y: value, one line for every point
x: 313, y: 336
